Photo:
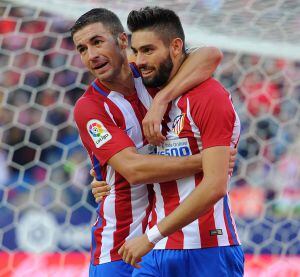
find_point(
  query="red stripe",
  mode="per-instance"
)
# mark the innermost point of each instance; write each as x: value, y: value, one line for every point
x: 149, y: 208
x: 123, y: 211
x: 171, y: 200
x: 154, y: 214
x: 206, y: 224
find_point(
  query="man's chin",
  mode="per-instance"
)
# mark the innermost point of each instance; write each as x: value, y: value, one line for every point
x: 148, y: 82
x: 105, y: 77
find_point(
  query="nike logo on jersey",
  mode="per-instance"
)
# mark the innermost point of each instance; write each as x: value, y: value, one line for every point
x: 128, y: 129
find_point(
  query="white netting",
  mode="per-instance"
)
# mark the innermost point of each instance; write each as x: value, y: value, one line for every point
x: 268, y: 27
x: 46, y: 205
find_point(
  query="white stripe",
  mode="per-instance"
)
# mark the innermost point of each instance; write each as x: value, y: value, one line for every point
x: 194, y: 127
x: 110, y: 217
x: 191, y: 232
x: 109, y: 113
x: 220, y: 222
x: 160, y: 213
x: 142, y: 92
x: 131, y: 121
x: 139, y: 204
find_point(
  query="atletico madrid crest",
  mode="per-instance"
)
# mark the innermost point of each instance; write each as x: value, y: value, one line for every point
x: 178, y: 124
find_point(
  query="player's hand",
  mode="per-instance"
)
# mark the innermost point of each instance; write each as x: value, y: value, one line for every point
x: 152, y: 122
x: 232, y: 158
x: 133, y: 250
x: 100, y: 189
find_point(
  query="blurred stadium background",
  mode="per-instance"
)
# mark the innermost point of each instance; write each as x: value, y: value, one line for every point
x: 46, y: 205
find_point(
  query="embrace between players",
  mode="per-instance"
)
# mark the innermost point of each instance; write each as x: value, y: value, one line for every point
x: 182, y: 224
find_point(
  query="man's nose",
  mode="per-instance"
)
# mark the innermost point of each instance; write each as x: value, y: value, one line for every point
x: 140, y: 60
x: 92, y: 53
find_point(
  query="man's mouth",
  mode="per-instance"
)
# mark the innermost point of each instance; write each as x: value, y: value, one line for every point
x: 99, y: 66
x: 146, y: 72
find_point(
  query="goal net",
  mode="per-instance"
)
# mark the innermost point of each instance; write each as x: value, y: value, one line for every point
x: 47, y: 209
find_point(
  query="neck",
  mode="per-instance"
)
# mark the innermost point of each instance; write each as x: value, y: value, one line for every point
x: 123, y: 82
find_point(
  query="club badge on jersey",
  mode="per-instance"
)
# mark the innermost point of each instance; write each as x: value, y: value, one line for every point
x: 98, y: 132
x: 178, y: 123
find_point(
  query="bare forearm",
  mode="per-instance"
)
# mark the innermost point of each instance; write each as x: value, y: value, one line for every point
x: 153, y: 168
x: 197, y: 203
x: 198, y: 67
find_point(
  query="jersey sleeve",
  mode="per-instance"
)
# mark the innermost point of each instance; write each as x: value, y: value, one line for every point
x: 214, y: 115
x: 98, y: 131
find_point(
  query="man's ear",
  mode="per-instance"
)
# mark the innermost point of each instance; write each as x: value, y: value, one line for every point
x: 176, y: 47
x: 123, y: 40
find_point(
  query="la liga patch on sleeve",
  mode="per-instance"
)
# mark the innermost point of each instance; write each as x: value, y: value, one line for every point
x: 98, y: 132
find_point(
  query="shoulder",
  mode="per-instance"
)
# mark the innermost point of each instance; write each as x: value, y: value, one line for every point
x: 210, y: 88
x: 86, y: 105
x: 210, y: 92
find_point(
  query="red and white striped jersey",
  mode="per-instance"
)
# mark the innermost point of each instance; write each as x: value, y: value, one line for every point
x: 108, y: 122
x: 202, y: 118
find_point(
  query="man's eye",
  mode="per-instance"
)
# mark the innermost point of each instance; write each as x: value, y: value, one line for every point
x: 81, y: 50
x: 98, y: 42
x: 147, y: 50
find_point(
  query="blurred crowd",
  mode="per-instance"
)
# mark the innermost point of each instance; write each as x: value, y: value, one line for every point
x: 43, y: 164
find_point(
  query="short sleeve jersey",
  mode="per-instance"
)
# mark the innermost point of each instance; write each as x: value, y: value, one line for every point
x: 109, y: 122
x: 203, y: 117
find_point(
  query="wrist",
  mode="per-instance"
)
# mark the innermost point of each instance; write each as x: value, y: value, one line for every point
x: 154, y: 235
x: 163, y: 97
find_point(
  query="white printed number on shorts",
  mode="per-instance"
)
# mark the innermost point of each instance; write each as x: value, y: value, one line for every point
x: 175, y: 147
x: 98, y: 132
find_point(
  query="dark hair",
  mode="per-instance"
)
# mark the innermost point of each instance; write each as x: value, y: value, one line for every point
x: 164, y: 21
x: 104, y: 16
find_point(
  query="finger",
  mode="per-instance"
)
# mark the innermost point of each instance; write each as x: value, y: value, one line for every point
x: 101, y: 195
x: 92, y: 172
x: 98, y: 199
x: 151, y: 131
x: 128, y: 258
x: 100, y: 184
x: 153, y: 141
x: 145, y: 128
x: 101, y: 190
x: 121, y: 250
x: 157, y: 130
x: 133, y: 262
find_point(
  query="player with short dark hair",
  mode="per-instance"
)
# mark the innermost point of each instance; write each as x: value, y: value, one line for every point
x: 99, y: 15
x: 192, y: 229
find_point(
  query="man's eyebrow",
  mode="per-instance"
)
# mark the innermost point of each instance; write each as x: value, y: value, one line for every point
x: 90, y: 39
x: 133, y: 49
x: 94, y: 37
x: 142, y: 47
